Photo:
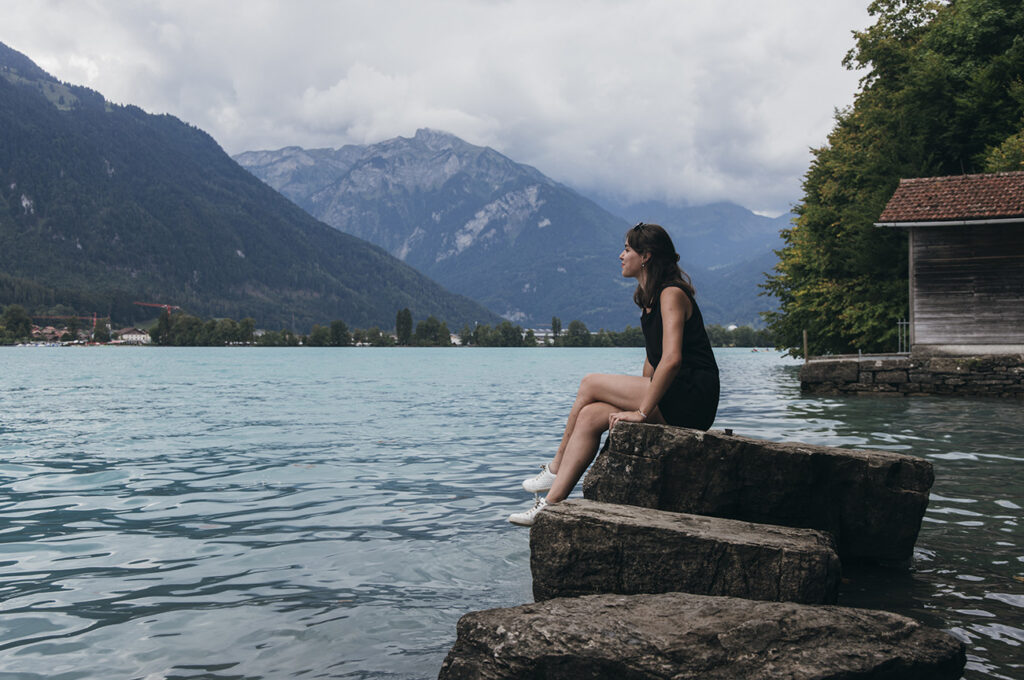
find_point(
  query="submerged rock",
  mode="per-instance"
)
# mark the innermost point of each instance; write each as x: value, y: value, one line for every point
x: 581, y: 547
x: 871, y: 501
x: 684, y: 636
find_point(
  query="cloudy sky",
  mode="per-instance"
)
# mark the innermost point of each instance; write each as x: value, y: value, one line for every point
x: 676, y: 100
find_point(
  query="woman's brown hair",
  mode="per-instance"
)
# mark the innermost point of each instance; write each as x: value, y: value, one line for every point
x: 662, y: 267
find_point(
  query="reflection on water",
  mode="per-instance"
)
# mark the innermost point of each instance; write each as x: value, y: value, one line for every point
x: 332, y: 512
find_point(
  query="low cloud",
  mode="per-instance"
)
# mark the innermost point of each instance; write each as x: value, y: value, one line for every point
x: 680, y: 101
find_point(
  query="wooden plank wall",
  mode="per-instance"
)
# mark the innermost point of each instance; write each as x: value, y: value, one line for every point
x: 968, y: 284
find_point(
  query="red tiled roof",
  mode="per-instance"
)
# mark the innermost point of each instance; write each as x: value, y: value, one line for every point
x: 958, y: 197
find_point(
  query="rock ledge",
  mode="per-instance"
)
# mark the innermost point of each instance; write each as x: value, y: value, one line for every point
x: 871, y: 501
x: 581, y: 547
x: 684, y: 637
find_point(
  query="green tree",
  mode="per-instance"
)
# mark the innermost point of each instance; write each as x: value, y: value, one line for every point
x: 466, y: 335
x: 631, y: 337
x: 101, y: 333
x: 377, y: 338
x: 556, y: 328
x: 17, y: 322
x: 246, y: 330
x: 941, y: 95
x: 270, y: 339
x: 576, y: 335
x: 161, y: 334
x: 603, y: 338
x: 226, y: 332
x: 403, y: 326
x: 431, y: 333
x: 73, y: 327
x: 484, y: 336
x: 319, y: 336
x: 510, y: 336
x: 340, y: 336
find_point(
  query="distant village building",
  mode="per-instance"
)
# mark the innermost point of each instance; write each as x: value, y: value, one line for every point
x: 134, y: 336
x: 966, y: 262
x: 46, y: 333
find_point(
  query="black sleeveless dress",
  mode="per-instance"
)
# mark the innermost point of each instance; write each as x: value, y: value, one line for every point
x: 692, y: 398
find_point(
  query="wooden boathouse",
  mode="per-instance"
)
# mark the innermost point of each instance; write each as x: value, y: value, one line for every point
x: 966, y: 280
x: 966, y: 261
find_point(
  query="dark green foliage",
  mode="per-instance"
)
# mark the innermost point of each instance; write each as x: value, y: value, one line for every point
x: 101, y: 333
x: 16, y: 323
x: 340, y: 337
x: 631, y: 337
x: 185, y: 330
x: 373, y: 337
x: 281, y: 338
x: 431, y: 333
x: 576, y: 335
x: 403, y: 326
x: 319, y: 336
x: 103, y: 205
x: 504, y: 334
x: 556, y: 327
x: 942, y: 95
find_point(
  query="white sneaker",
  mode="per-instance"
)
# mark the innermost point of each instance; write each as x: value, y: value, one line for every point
x: 526, y: 518
x: 542, y: 482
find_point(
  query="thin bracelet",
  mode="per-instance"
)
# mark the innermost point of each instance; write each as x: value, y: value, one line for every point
x: 642, y: 414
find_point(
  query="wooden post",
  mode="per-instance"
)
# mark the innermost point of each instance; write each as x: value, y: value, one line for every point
x: 805, y: 346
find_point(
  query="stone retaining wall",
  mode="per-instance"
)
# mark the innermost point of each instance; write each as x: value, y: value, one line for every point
x: 987, y: 375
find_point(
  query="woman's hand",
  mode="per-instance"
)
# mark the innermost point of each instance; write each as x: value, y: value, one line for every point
x: 626, y: 416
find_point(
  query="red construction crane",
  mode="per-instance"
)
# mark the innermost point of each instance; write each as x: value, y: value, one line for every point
x: 166, y: 308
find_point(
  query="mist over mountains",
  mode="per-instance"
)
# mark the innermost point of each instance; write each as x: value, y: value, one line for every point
x: 102, y: 205
x: 503, y: 233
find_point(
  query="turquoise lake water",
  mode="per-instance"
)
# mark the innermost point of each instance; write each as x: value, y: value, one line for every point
x: 308, y: 512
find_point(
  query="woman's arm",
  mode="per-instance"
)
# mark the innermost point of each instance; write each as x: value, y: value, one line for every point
x: 648, y: 369
x: 675, y: 310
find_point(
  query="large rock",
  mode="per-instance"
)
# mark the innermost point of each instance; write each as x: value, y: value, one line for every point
x: 581, y: 547
x: 871, y: 501
x: 681, y: 636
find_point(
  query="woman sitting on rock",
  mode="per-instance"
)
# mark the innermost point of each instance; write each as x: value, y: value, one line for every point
x: 680, y: 377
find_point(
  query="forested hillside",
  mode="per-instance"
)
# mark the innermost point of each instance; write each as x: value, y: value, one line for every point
x: 942, y: 94
x: 103, y: 205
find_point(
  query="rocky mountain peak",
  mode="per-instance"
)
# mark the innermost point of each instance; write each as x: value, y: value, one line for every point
x: 438, y: 140
x: 506, y: 235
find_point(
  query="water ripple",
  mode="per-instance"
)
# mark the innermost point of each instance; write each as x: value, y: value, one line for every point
x: 266, y: 513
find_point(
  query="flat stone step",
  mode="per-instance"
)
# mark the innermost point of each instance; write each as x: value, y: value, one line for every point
x: 582, y: 547
x: 871, y: 501
x: 685, y: 637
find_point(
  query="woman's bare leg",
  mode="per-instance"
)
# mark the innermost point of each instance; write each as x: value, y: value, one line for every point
x: 591, y: 423
x: 622, y: 391
x: 599, y: 396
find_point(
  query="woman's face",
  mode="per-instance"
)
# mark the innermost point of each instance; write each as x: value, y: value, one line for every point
x: 632, y: 262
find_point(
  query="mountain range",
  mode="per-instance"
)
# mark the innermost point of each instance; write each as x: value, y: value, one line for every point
x: 102, y: 205
x: 508, y: 236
